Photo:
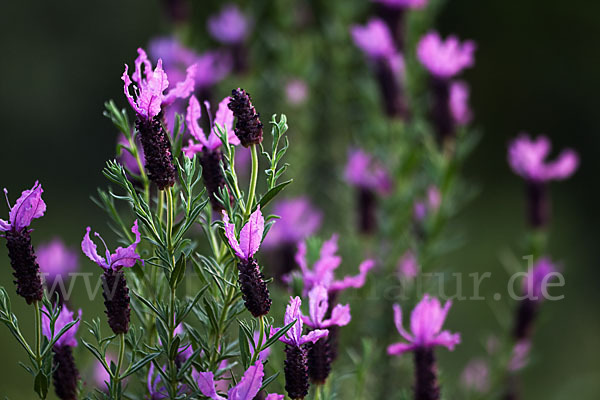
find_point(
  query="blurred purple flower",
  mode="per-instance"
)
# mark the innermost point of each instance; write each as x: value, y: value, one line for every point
x: 247, y: 388
x: 263, y: 355
x: 250, y: 235
x: 534, y: 284
x: 374, y: 39
x: 364, y: 172
x: 294, y: 336
x: 296, y: 91
x: 223, y: 117
x: 426, y: 322
x: 156, y: 389
x: 319, y: 305
x: 323, y: 269
x: 64, y: 318
x: 445, y: 59
x: 423, y: 208
x: 417, y: 4
x: 298, y: 220
x: 520, y: 355
x: 230, y: 26
x: 213, y: 67
x: 101, y: 376
x: 122, y: 257
x: 27, y: 208
x: 126, y: 158
x: 56, y: 259
x: 476, y: 376
x: 459, y: 103
x: 151, y: 85
x: 408, y: 267
x: 527, y: 158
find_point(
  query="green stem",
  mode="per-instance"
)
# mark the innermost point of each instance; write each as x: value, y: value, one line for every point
x: 133, y: 145
x: 38, y: 333
x: 116, y: 376
x: 261, y: 335
x: 169, y: 220
x: 253, y: 178
x: 172, y: 366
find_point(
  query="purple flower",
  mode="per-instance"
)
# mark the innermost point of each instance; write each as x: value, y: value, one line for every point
x: 223, y: 117
x: 122, y: 257
x: 520, y: 355
x: 408, y: 267
x: 459, y: 103
x: 64, y: 317
x: 323, y: 270
x: 298, y: 220
x: 28, y: 207
x: 230, y: 26
x: 156, y: 389
x: 263, y: 355
x: 212, y: 67
x: 403, y: 3
x: 423, y: 208
x: 374, y: 39
x: 250, y: 235
x: 246, y: 389
x: 426, y: 322
x: 364, y: 172
x: 476, y: 376
x: 296, y: 91
x: 318, y: 305
x: 536, y: 281
x: 527, y: 158
x: 56, y: 259
x: 445, y: 59
x: 294, y: 336
x: 151, y: 85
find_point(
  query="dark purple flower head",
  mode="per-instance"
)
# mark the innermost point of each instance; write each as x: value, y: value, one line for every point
x: 248, y: 127
x: 298, y: 220
x: 150, y: 86
x: 294, y: 336
x: 445, y: 59
x: 223, y: 117
x: 538, y: 277
x: 230, y: 26
x: 56, y: 259
x: 402, y: 4
x: 459, y: 103
x: 365, y: 172
x: 426, y: 322
x: 322, y: 272
x: 318, y: 306
x: 65, y: 317
x: 247, y: 388
x: 28, y: 207
x: 250, y: 235
x: 527, y: 158
x: 122, y: 257
x: 374, y: 39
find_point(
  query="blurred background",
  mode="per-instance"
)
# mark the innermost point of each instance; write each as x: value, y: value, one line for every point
x: 535, y: 71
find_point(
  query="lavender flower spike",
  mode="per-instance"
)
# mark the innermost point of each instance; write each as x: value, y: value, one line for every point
x: 65, y: 375
x: 248, y: 127
x: 115, y: 290
x: 374, y: 39
x: 18, y: 241
x: 247, y: 388
x: 57, y: 262
x: 320, y: 354
x: 296, y: 367
x: 252, y: 284
x: 527, y: 158
x: 445, y: 59
x: 426, y: 322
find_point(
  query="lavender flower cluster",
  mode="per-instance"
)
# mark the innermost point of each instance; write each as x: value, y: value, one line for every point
x: 188, y: 208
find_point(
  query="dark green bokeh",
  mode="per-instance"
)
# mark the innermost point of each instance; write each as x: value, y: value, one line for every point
x: 536, y: 71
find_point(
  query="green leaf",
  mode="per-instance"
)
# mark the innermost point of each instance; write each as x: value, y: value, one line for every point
x: 139, y: 364
x: 40, y: 384
x: 179, y: 272
x: 277, y: 335
x: 273, y: 192
x: 244, y: 349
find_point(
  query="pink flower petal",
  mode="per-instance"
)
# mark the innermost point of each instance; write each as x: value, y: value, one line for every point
x: 28, y: 207
x: 340, y: 316
x: 249, y: 385
x: 206, y: 384
x: 356, y: 281
x: 89, y: 249
x: 397, y: 349
x: 313, y: 336
x: 251, y: 234
x: 230, y: 234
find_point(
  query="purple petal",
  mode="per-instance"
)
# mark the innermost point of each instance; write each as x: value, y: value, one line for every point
x: 56, y: 259
x: 194, y: 112
x: 64, y: 317
x: 230, y: 26
x: 317, y: 305
x: 340, y: 316
x: 151, y: 94
x: 28, y: 207
x: 564, y: 166
x: 446, y: 339
x: 459, y: 103
x: 192, y: 149
x: 397, y: 349
x: 89, y: 249
x: 252, y: 233
x: 313, y: 336
x: 127, y: 257
x: 230, y: 234
x: 275, y: 396
x: 398, y: 323
x: 182, y: 89
x: 249, y: 385
x: 206, y: 384
x: 126, y: 84
x: 374, y: 39
x: 292, y: 312
x: 4, y: 226
x: 356, y: 281
x: 445, y: 59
